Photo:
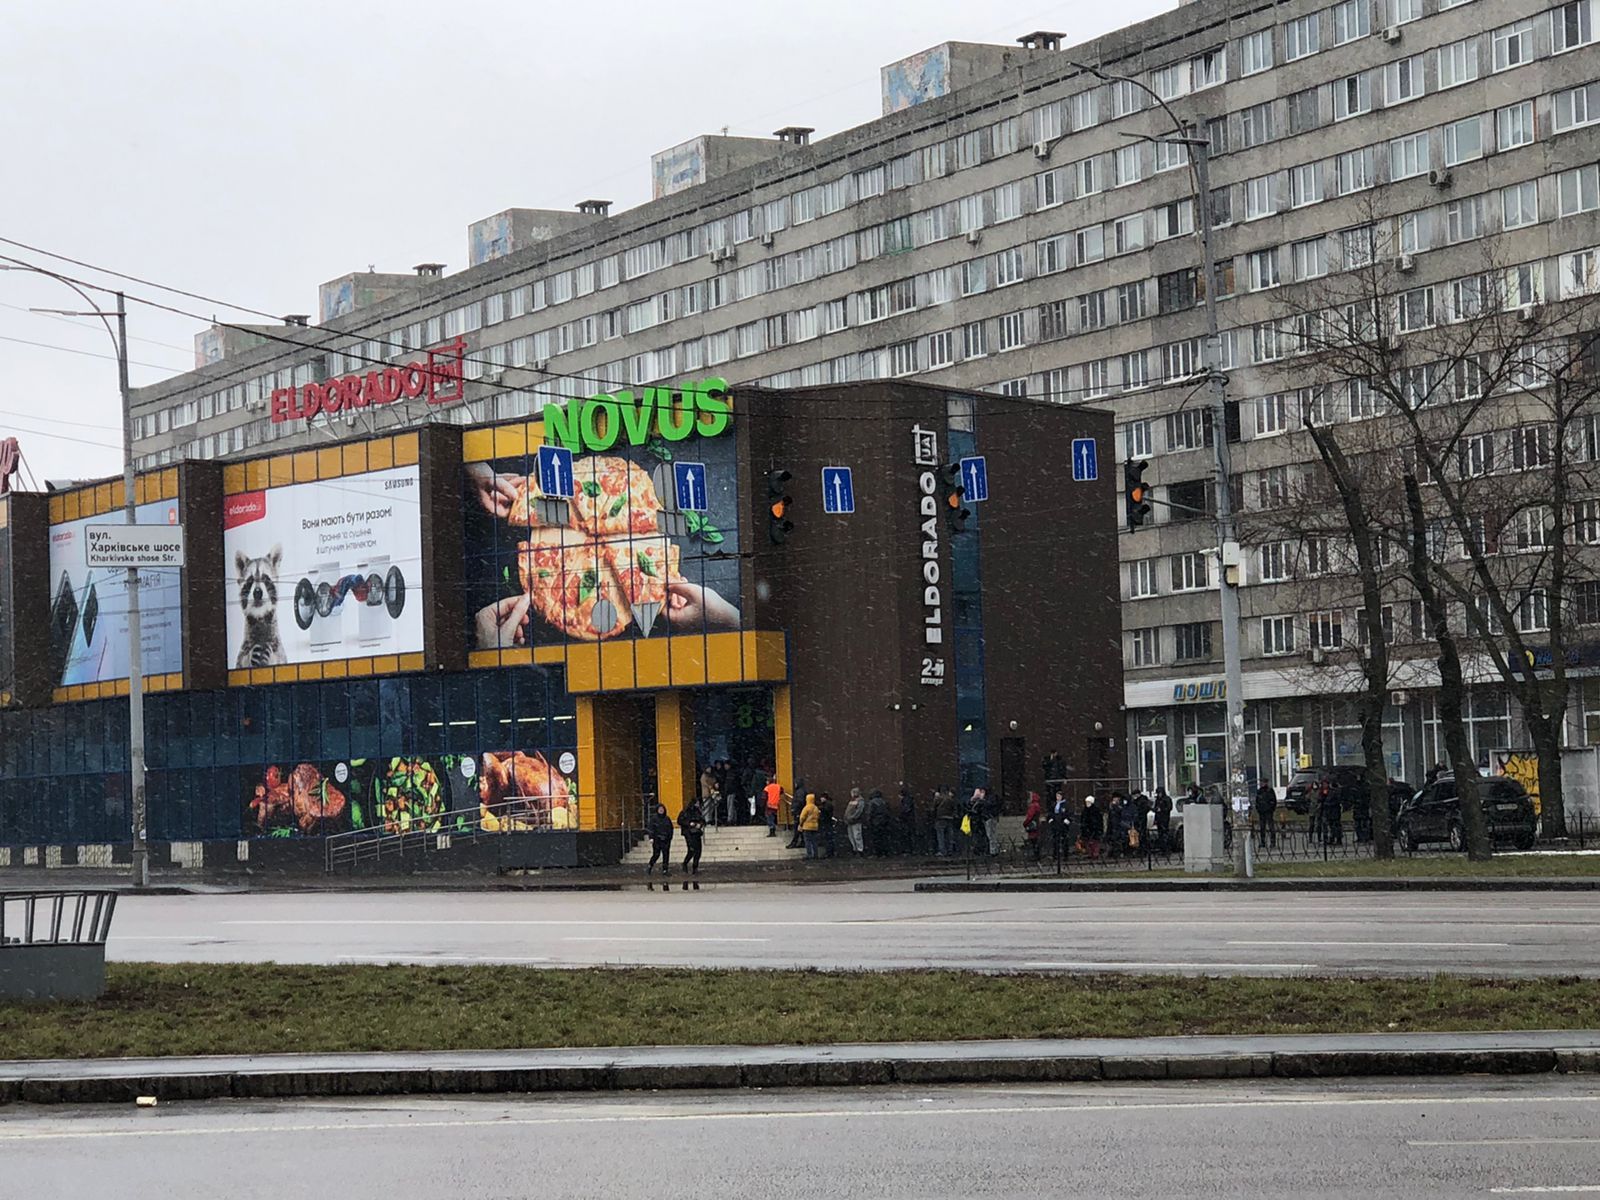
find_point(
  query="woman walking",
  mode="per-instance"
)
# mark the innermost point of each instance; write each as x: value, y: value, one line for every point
x: 693, y: 824
x: 810, y: 822
x: 1033, y: 825
x: 659, y: 827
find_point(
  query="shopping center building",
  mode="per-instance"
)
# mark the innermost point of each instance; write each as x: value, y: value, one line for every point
x: 538, y: 626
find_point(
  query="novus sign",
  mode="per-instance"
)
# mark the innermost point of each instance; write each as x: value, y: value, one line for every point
x: 673, y: 413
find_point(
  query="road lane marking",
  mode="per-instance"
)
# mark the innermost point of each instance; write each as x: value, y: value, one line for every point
x: 651, y: 937
x: 1392, y: 945
x: 412, y: 959
x: 1166, y: 966
x: 799, y: 1115
x: 1526, y: 1141
x: 1543, y: 1191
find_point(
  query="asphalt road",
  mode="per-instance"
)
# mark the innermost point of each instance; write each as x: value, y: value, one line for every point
x: 1457, y: 1139
x: 883, y: 926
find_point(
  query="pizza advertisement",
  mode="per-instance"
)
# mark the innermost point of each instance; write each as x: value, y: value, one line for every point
x: 622, y: 558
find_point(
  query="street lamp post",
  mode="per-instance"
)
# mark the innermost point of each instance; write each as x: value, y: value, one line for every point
x: 119, y: 339
x: 1228, y: 560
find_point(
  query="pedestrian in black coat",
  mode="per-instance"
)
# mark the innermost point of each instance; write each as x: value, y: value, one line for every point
x: 693, y: 825
x: 659, y: 827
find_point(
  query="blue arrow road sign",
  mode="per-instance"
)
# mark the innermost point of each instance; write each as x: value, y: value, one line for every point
x: 975, y: 478
x: 1085, y: 463
x: 690, y: 480
x: 838, y: 490
x: 555, y: 471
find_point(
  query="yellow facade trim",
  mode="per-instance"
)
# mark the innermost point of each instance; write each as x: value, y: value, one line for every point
x: 354, y: 460
x: 509, y: 440
x: 380, y: 454
x: 407, y: 448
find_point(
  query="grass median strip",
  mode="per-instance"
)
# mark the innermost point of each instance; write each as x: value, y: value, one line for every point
x: 152, y: 1009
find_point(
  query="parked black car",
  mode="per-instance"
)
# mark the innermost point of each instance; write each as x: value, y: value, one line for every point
x: 1348, y: 782
x: 1434, y: 814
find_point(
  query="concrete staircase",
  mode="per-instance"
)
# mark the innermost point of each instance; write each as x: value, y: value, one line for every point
x: 726, y: 844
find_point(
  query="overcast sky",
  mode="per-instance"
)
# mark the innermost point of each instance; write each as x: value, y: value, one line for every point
x: 251, y: 152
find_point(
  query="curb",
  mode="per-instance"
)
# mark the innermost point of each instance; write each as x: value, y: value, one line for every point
x: 1521, y: 884
x: 809, y: 1073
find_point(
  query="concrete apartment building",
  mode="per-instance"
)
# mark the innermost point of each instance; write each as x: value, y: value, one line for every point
x: 998, y: 229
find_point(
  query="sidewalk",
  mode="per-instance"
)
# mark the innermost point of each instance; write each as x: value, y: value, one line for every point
x: 707, y: 1067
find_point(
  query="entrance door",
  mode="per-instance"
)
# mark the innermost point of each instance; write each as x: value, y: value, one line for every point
x: 1153, y: 763
x: 1286, y: 745
x: 1013, y: 768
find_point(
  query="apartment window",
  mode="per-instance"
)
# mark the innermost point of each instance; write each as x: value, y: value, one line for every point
x: 1170, y: 156
x: 1463, y: 141
x: 1326, y: 628
x: 1180, y: 360
x: 1356, y: 170
x: 1305, y: 185
x: 1579, y: 273
x: 1408, y: 156
x: 1192, y: 642
x: 1533, y: 613
x: 1053, y: 255
x: 1305, y: 111
x: 1128, y: 233
x: 1085, y: 109
x: 1126, y: 98
x: 1088, y: 176
x: 1318, y: 555
x: 1008, y: 202
x: 1402, y: 80
x: 1221, y: 206
x: 1177, y: 290
x: 1091, y: 311
x: 1143, y: 647
x: 1135, y: 370
x: 1170, y: 82
x: 1175, y: 219
x: 1310, y: 258
x: 1475, y: 455
x: 1255, y: 52
x: 1130, y: 301
x: 1301, y: 37
x: 903, y: 358
x: 1271, y: 415
x: 1578, y: 190
x: 1410, y: 235
x: 1272, y: 488
x: 1277, y: 635
x: 1458, y: 63
x: 1255, y: 125
x: 973, y: 342
x: 1464, y: 220
x: 1187, y: 430
x: 1139, y: 440
x: 1530, y: 447
x: 1577, y: 106
x: 1399, y: 12
x: 969, y: 149
x: 1275, y: 559
x: 1217, y: 133
x: 1126, y: 165
x: 1266, y: 342
x: 1259, y: 200
x: 1586, y: 521
x: 1513, y: 45
x: 1095, y: 375
x: 1352, y: 96
x: 1050, y: 189
x: 1415, y: 309
x: 1012, y: 328
x: 1142, y: 579
x: 872, y: 181
x: 1351, y: 19
x: 1263, y: 269
x: 941, y: 349
x: 1572, y: 25
x: 1090, y: 244
x: 1513, y: 126
x: 1210, y: 68
x: 1008, y: 267
x: 974, y: 277
x: 1188, y: 572
x: 1003, y: 137
x: 833, y: 316
x: 1519, y: 204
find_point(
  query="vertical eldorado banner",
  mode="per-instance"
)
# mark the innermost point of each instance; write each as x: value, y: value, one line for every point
x: 89, y: 607
x: 324, y: 570
x: 625, y: 524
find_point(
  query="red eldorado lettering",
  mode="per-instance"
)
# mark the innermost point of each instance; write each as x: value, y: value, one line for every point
x: 440, y: 379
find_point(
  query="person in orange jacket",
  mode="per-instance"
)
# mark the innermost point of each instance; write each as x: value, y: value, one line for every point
x: 774, y: 795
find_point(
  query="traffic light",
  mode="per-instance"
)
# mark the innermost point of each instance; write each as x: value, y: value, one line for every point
x: 955, y: 509
x: 778, y: 504
x: 1135, y: 492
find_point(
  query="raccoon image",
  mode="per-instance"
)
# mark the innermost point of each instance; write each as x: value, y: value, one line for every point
x: 258, y: 600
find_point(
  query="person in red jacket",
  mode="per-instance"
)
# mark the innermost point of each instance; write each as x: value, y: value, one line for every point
x: 774, y: 795
x: 1033, y: 825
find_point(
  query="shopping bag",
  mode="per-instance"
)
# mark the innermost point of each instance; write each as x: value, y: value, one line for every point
x: 966, y: 826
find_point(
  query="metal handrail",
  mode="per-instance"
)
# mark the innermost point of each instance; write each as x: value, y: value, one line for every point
x: 90, y: 912
x: 356, y: 845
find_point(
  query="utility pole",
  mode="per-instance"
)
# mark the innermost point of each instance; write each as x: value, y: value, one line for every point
x: 141, y: 858
x: 119, y: 338
x: 1228, y: 554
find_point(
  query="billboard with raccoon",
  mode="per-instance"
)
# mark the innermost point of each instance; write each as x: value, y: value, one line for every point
x: 325, y: 570
x: 89, y: 607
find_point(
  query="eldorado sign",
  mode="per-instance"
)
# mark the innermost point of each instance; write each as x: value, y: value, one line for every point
x: 599, y: 422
